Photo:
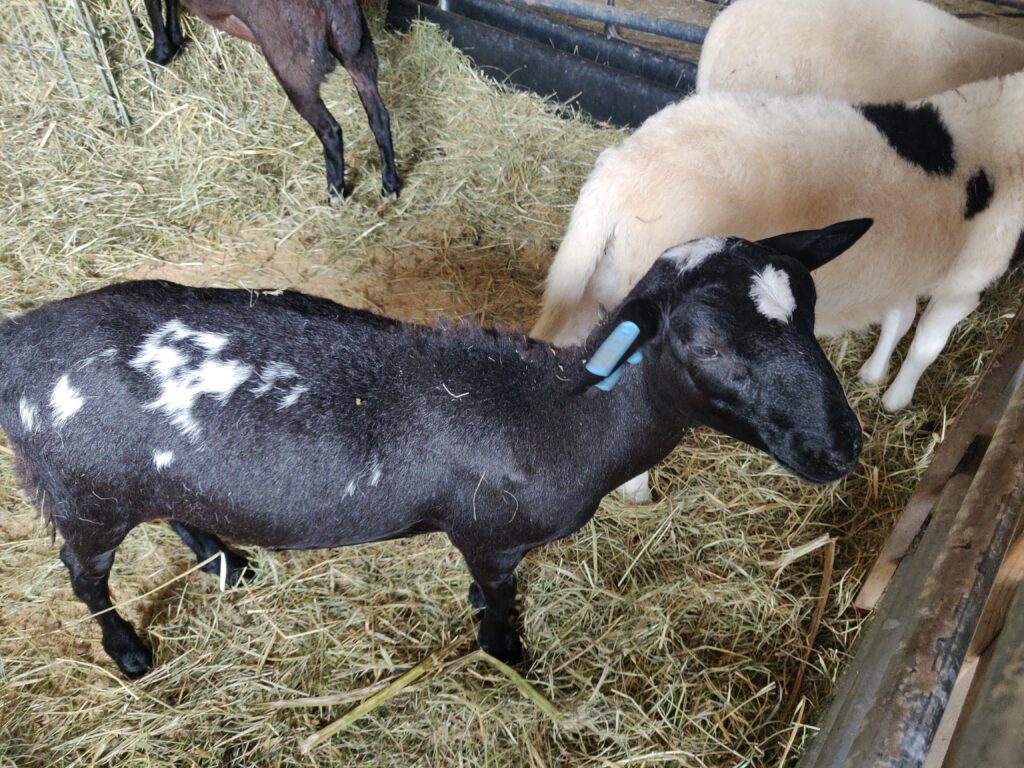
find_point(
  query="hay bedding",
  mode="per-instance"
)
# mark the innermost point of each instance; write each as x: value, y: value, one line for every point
x: 664, y: 634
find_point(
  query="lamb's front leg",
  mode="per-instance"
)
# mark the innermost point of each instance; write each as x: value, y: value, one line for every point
x: 933, y: 331
x: 494, y: 590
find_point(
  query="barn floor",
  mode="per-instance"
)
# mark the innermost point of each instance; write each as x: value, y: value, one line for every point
x: 666, y: 634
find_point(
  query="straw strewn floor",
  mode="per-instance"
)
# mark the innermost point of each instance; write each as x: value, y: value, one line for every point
x: 664, y: 634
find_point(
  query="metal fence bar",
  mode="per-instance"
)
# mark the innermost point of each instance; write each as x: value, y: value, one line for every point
x: 99, y: 57
x: 677, y: 30
x: 24, y: 44
x: 60, y: 49
x: 142, y: 46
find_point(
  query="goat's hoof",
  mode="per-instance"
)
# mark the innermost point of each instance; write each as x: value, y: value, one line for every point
x: 504, y: 646
x: 389, y: 196
x: 132, y: 657
x: 161, y: 55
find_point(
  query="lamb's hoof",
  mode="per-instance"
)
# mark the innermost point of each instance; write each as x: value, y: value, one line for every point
x: 237, y: 571
x: 389, y: 197
x: 476, y: 597
x: 504, y: 646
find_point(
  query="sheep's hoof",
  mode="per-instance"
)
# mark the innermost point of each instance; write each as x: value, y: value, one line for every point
x: 504, y: 646
x: 895, y: 400
x: 871, y: 375
x: 636, y: 491
x: 389, y: 196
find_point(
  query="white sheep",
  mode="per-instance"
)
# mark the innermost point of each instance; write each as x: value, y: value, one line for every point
x: 858, y: 50
x: 942, y: 178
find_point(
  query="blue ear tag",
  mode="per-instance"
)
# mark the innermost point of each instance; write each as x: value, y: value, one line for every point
x: 605, y: 362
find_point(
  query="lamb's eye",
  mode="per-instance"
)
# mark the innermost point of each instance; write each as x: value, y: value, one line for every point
x: 705, y: 353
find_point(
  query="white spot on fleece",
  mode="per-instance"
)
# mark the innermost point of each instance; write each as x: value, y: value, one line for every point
x: 692, y: 254
x: 771, y: 293
x: 376, y: 475
x: 65, y: 401
x: 181, y: 378
x: 350, y: 489
x: 162, y: 458
x: 28, y: 415
x: 272, y: 378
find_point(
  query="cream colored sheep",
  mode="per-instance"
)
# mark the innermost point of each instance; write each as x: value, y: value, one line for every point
x: 857, y: 50
x: 943, y: 180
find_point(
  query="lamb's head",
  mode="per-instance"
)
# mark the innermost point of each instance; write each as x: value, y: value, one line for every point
x: 727, y: 328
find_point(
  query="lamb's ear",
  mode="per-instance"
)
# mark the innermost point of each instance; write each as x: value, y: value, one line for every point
x: 635, y: 324
x: 815, y: 247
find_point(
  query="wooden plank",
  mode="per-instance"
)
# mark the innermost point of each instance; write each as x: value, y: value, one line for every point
x: 973, y: 426
x: 891, y: 699
x: 992, y: 734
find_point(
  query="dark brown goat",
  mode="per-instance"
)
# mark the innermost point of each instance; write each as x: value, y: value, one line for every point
x: 300, y: 39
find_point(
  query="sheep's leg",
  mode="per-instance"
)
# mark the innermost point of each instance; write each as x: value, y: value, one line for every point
x: 933, y: 331
x: 89, y: 576
x: 494, y: 590
x: 894, y: 327
x: 206, y: 545
x: 302, y: 86
x: 166, y: 37
x: 362, y: 66
x: 637, y: 490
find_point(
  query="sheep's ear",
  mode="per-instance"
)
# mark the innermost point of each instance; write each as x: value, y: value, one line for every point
x: 815, y: 247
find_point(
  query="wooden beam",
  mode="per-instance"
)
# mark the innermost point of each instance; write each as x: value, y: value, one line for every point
x: 993, y: 734
x: 971, y: 429
x: 891, y: 698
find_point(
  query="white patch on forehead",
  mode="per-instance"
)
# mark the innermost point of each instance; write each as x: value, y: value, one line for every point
x: 691, y: 255
x: 162, y: 459
x: 282, y: 379
x: 185, y: 365
x: 65, y: 401
x: 28, y: 413
x: 771, y: 293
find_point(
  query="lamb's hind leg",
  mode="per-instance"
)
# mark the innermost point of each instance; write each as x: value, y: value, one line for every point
x: 894, y: 327
x: 90, y: 573
x: 933, y: 331
x: 206, y: 545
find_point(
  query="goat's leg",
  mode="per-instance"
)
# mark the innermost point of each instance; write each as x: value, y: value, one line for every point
x: 494, y: 590
x: 933, y: 331
x: 174, y: 24
x: 361, y: 64
x: 89, y: 575
x: 166, y: 37
x: 206, y: 545
x: 894, y: 327
x: 301, y: 82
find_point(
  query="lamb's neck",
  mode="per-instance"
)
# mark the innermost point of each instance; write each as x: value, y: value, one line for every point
x: 618, y: 434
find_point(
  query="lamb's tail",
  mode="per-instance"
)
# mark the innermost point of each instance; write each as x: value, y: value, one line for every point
x: 590, y: 231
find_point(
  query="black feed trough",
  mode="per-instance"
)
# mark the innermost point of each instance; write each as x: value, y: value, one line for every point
x: 608, y: 79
